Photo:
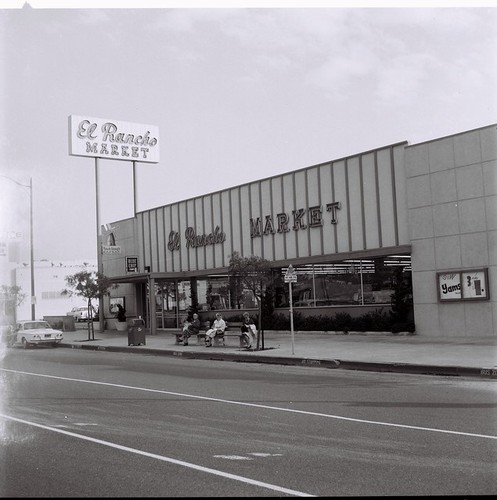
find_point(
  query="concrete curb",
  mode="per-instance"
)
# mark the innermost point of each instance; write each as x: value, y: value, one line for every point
x: 454, y: 371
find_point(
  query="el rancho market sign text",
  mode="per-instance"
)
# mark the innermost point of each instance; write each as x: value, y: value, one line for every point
x: 112, y: 139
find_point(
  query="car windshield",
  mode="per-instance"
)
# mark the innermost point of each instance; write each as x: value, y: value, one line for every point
x: 36, y: 324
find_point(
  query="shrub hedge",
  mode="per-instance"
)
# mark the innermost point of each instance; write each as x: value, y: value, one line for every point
x: 373, y: 321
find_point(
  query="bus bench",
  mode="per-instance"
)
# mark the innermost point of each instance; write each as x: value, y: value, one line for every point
x: 232, y: 330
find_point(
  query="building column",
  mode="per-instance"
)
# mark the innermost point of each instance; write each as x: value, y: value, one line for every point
x: 152, y: 306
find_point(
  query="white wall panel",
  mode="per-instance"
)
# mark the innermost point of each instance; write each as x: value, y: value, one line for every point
x: 217, y: 221
x: 226, y: 227
x: 356, y: 203
x: 161, y: 240
x: 208, y: 228
x: 315, y: 200
x: 326, y: 196
x: 190, y: 260
x: 343, y: 213
x: 302, y: 235
x: 289, y: 196
x: 267, y: 209
x: 387, y: 208
x: 198, y: 226
x: 236, y: 222
x: 370, y: 201
x: 254, y: 213
x: 246, y: 249
x: 278, y: 207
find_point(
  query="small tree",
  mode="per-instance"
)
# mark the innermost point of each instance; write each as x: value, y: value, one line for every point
x: 255, y: 274
x: 193, y: 308
x: 10, y: 297
x: 401, y: 300
x: 91, y: 286
x: 236, y: 292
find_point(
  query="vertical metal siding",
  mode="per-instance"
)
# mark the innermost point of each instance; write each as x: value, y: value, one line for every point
x: 354, y: 210
x: 343, y: 238
x: 161, y: 240
x: 399, y: 191
x: 377, y: 193
x: 369, y: 186
x: 370, y: 203
x: 288, y: 193
x: 388, y: 211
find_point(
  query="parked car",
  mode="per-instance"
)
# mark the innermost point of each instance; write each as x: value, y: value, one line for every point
x: 79, y: 313
x: 36, y: 332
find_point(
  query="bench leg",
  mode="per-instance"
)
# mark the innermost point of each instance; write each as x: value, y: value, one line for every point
x: 218, y: 340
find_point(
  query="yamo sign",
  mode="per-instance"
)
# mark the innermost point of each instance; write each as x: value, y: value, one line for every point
x: 112, y: 139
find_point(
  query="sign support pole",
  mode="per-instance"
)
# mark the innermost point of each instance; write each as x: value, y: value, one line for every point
x: 31, y: 251
x: 291, y: 316
x: 134, y: 188
x: 291, y: 277
x: 99, y: 251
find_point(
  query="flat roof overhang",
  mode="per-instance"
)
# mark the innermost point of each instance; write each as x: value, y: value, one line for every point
x: 316, y: 259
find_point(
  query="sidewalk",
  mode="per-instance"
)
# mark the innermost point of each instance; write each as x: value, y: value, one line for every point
x: 468, y: 356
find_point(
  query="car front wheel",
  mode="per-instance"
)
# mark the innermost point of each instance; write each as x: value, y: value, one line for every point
x: 25, y: 343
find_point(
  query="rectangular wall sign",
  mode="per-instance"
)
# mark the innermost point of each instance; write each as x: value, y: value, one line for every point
x: 113, y: 139
x: 474, y: 284
x: 471, y: 284
x: 131, y: 264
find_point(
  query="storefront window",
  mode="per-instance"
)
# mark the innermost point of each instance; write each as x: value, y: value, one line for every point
x: 350, y: 282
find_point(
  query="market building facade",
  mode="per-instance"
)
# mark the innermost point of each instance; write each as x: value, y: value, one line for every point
x: 427, y: 211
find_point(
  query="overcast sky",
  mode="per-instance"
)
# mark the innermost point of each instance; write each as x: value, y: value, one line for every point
x: 237, y: 94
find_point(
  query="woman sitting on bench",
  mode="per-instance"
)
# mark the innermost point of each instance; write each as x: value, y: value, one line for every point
x: 191, y: 328
x: 248, y: 330
x: 217, y: 328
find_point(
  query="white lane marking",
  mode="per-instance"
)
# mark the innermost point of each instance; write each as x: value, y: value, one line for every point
x: 241, y: 457
x: 266, y: 454
x: 227, y: 475
x: 266, y: 407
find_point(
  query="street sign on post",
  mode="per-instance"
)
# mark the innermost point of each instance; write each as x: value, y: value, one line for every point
x: 291, y: 277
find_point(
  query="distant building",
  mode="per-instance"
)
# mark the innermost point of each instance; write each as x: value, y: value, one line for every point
x: 50, y: 280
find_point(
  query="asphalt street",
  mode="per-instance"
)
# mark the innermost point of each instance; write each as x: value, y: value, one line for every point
x: 104, y: 423
x: 473, y: 356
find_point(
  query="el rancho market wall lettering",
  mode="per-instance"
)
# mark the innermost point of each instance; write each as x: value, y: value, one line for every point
x: 301, y: 219
x: 194, y: 240
x: 112, y: 139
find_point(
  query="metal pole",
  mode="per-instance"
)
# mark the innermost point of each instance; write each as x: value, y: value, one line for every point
x: 99, y: 251
x: 31, y: 244
x: 152, y: 308
x: 134, y: 189
x: 313, y: 286
x: 291, y: 316
x: 362, y: 285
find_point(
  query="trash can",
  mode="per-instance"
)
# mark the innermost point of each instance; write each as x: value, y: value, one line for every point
x: 136, y: 332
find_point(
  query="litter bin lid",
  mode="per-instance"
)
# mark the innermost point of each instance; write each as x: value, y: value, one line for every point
x: 136, y: 322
